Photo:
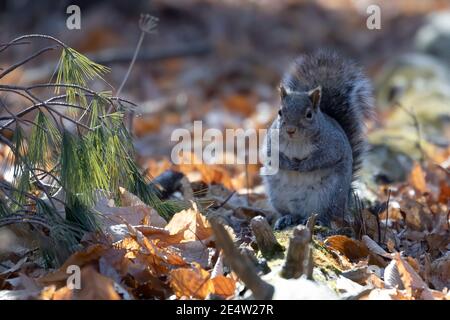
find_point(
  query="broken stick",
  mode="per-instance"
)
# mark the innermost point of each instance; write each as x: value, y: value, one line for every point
x: 267, y: 243
x: 241, y: 264
x: 298, y: 257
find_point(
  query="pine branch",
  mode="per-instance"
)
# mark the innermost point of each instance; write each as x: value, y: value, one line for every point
x: 19, y: 64
x: 97, y: 155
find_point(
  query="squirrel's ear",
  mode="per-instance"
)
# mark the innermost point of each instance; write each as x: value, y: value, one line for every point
x: 315, y: 95
x: 283, y: 92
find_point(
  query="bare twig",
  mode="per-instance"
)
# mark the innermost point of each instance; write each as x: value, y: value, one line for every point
x: 387, y: 215
x: 20, y: 63
x: 23, y: 219
x: 44, y: 104
x: 247, y: 183
x: 416, y: 125
x: 17, y: 119
x: 14, y: 44
x: 7, y: 142
x: 15, y: 41
x: 241, y: 264
x: 39, y: 183
x: 133, y: 60
x: 18, y: 93
x: 311, y: 223
x: 377, y: 217
x: 88, y: 92
x: 48, y: 173
x: 147, y: 24
x: 225, y: 201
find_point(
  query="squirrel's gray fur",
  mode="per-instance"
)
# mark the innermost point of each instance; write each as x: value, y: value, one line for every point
x: 324, y: 102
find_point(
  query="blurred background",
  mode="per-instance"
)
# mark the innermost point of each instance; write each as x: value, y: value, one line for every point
x: 221, y: 61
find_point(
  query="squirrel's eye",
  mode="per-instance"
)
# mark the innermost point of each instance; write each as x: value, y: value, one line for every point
x: 309, y: 115
x: 279, y: 112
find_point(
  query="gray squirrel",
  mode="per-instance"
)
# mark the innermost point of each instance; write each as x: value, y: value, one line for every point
x: 325, y: 100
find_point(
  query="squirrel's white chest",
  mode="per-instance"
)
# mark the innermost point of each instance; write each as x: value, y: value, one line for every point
x: 294, y: 149
x: 300, y: 193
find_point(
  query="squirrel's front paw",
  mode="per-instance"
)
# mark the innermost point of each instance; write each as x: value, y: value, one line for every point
x: 287, y: 221
x: 288, y: 164
x: 283, y: 222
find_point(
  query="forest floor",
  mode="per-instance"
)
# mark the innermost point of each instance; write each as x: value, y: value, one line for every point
x: 220, y: 63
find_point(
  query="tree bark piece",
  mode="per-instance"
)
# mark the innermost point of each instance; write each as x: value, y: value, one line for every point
x: 299, y: 255
x: 241, y: 264
x: 261, y: 265
x: 311, y: 223
x: 267, y: 243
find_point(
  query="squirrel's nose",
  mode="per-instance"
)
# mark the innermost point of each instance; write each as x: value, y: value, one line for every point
x: 291, y: 130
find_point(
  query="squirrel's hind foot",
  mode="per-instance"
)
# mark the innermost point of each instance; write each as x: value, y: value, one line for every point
x: 293, y: 220
x: 288, y: 221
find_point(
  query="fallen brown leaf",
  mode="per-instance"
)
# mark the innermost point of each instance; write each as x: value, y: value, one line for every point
x: 163, y: 235
x: 158, y: 258
x: 195, y: 251
x: 95, y: 286
x: 191, y: 282
x: 191, y: 223
x: 417, y: 178
x: 79, y: 258
x: 224, y: 286
x: 51, y: 293
x: 352, y: 249
x: 413, y: 283
x: 440, y: 272
x: 444, y: 193
x: 130, y: 200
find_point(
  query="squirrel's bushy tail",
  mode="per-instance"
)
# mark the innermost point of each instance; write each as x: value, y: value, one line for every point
x: 346, y: 93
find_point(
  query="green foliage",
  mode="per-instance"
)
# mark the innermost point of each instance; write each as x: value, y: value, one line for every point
x: 91, y: 160
x: 23, y: 187
x: 44, y: 136
x: 64, y: 235
x: 20, y: 151
x: 75, y: 68
x: 21, y: 172
x: 4, y: 209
